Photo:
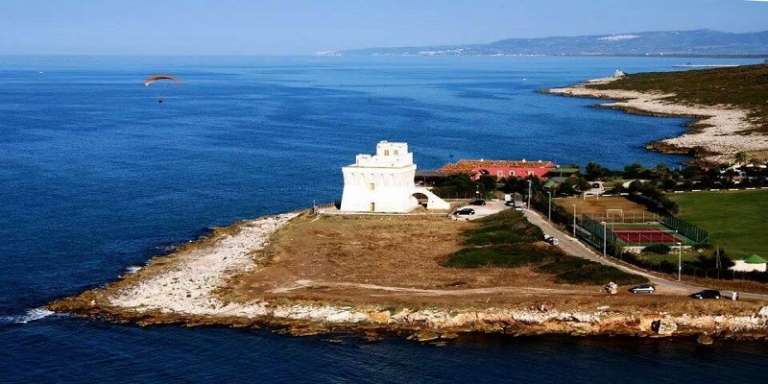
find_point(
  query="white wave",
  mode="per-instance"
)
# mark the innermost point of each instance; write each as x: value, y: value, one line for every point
x: 132, y: 269
x: 31, y: 315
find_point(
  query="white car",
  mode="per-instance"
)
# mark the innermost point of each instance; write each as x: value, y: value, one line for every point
x: 551, y: 240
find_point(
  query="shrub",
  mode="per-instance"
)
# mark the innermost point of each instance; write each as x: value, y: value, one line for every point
x: 505, y: 240
x: 509, y: 256
x: 506, y: 227
x: 661, y: 249
x: 572, y: 270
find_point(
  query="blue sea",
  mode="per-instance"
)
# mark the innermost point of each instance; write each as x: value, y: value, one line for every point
x: 96, y: 175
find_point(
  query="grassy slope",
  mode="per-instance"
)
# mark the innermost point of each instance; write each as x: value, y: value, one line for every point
x: 508, y: 240
x: 737, y: 221
x: 744, y: 87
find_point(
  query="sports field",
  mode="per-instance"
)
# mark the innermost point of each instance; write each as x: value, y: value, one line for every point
x: 736, y: 221
x: 648, y: 233
x: 645, y: 235
x: 613, y: 208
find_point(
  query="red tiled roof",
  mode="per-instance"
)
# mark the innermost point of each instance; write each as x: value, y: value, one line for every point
x: 473, y: 165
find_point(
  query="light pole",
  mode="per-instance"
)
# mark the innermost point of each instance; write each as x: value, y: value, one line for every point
x: 679, y: 260
x: 529, y: 193
x: 549, y: 207
x: 605, y: 239
x: 574, y: 220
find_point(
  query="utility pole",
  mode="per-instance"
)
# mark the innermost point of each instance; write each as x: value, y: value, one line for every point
x: 549, y: 208
x: 574, y: 220
x: 679, y: 260
x: 605, y: 239
x: 717, y: 260
x: 529, y: 193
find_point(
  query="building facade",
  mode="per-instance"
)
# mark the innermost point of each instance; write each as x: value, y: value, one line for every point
x: 384, y: 182
x: 500, y: 168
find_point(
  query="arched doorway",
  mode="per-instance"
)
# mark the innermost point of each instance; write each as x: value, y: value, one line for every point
x: 422, y: 199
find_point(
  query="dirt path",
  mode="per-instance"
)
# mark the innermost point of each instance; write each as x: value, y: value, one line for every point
x: 663, y: 285
x: 304, y: 284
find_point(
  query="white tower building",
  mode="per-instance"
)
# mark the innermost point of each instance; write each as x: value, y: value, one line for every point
x: 384, y: 182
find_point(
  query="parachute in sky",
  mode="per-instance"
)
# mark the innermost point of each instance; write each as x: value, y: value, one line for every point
x: 155, y: 78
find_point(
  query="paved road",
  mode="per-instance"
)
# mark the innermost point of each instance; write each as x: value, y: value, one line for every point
x: 490, y: 207
x: 663, y: 285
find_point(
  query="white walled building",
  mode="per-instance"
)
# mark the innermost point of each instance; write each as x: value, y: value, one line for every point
x: 384, y: 182
x: 752, y: 263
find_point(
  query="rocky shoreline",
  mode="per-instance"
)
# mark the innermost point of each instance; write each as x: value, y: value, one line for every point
x: 427, y: 324
x: 181, y: 288
x: 716, y: 135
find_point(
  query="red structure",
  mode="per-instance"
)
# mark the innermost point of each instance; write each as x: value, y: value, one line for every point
x: 500, y: 168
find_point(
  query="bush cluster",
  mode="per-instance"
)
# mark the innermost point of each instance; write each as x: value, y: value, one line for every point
x: 508, y: 240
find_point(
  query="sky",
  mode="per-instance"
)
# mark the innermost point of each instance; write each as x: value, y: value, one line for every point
x: 288, y: 27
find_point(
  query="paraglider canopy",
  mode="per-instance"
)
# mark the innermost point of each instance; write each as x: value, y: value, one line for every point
x: 155, y: 78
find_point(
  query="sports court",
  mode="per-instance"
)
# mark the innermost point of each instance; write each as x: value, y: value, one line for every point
x: 648, y: 235
x: 628, y: 224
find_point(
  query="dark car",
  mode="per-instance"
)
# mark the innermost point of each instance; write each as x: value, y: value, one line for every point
x: 643, y: 288
x: 477, y: 202
x: 464, y: 212
x: 707, y: 294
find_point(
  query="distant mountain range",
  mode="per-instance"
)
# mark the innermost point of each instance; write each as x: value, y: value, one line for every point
x: 701, y: 42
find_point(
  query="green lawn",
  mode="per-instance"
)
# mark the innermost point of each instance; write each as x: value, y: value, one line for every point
x: 736, y: 221
x: 657, y: 259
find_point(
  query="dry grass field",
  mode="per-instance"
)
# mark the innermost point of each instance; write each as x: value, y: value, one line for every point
x: 396, y: 261
x: 595, y: 207
x: 361, y: 258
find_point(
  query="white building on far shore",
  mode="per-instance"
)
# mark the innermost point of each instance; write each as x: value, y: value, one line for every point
x: 384, y: 182
x: 752, y: 263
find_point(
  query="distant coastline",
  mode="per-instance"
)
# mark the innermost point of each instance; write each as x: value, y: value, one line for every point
x: 692, y: 43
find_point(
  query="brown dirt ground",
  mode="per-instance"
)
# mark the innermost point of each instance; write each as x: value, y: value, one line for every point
x: 598, y: 207
x: 392, y: 251
x: 406, y: 251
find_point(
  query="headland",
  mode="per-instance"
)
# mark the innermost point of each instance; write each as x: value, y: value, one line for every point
x: 727, y: 105
x: 382, y: 274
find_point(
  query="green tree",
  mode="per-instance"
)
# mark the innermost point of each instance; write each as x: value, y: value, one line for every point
x: 487, y: 184
x: 595, y: 171
x: 633, y: 171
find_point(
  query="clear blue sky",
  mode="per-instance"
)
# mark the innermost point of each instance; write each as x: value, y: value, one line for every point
x: 277, y: 27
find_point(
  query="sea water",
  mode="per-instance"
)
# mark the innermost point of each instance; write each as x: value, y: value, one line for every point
x: 96, y: 176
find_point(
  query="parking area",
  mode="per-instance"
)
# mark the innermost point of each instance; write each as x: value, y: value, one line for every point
x: 490, y: 207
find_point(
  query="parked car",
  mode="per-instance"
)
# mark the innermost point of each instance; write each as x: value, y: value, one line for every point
x: 706, y: 294
x: 551, y: 240
x: 477, y: 202
x: 643, y: 288
x: 464, y: 212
